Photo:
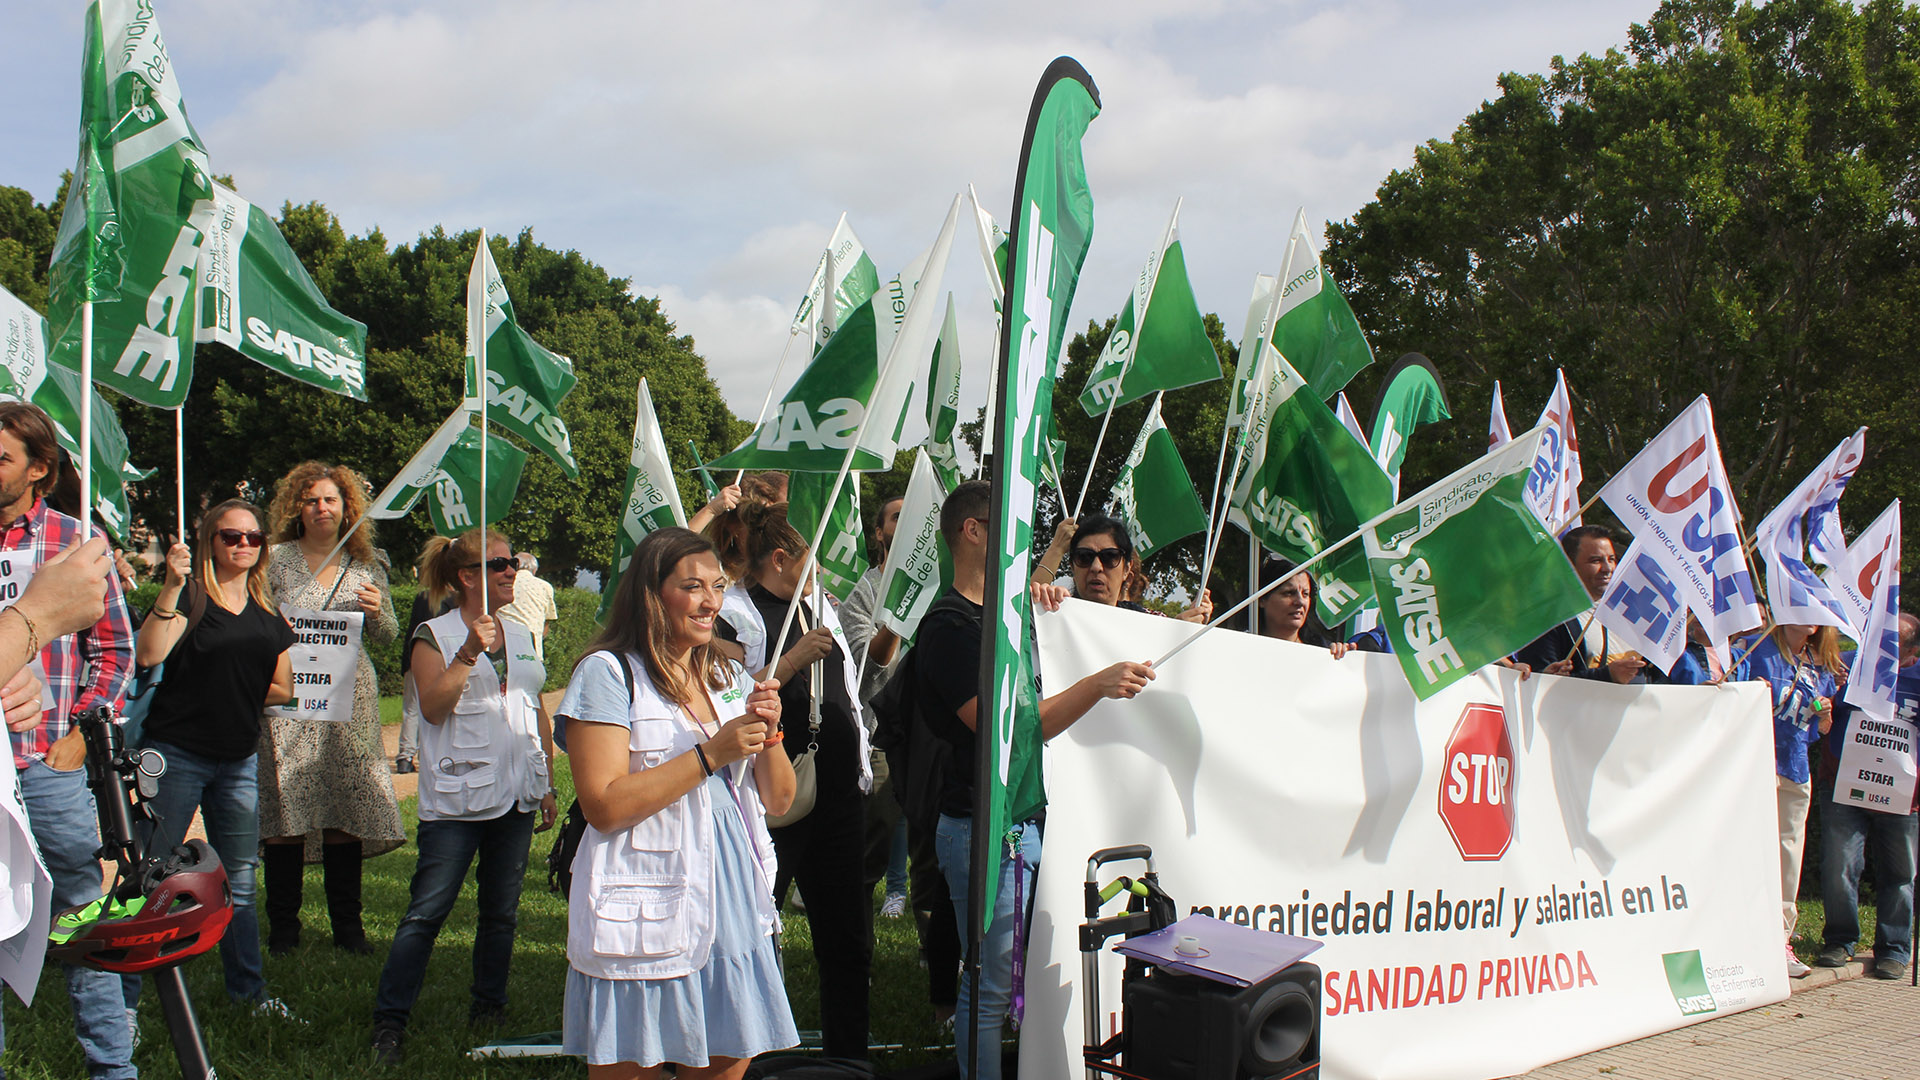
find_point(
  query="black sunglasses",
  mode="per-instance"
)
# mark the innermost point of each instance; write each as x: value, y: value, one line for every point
x: 237, y: 538
x: 499, y: 565
x: 1109, y: 557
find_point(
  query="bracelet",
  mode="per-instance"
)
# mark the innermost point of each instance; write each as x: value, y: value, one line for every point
x: 33, y: 633
x: 460, y: 655
x: 704, y: 763
x: 776, y: 740
x: 160, y: 613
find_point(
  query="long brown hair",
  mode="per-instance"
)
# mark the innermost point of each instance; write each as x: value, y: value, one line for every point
x: 291, y: 493
x: 443, y: 559
x: 637, y: 622
x: 1823, y: 643
x: 204, y: 540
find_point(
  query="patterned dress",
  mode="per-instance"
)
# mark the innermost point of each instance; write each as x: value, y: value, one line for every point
x: 330, y: 775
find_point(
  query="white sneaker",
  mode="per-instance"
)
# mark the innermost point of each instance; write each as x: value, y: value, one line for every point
x: 275, y: 1009
x: 1795, y: 968
x: 894, y: 906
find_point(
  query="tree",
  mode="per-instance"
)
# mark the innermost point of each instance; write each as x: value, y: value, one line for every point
x: 1728, y: 208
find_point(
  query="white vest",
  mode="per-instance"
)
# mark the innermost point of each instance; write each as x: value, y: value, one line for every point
x: 737, y: 608
x: 486, y: 758
x: 641, y: 905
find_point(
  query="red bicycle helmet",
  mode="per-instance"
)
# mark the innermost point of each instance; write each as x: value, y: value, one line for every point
x: 185, y: 909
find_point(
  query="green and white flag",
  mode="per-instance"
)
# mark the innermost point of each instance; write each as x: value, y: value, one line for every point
x: 1307, y: 482
x: 453, y: 501
x: 855, y: 280
x: 28, y: 376
x: 132, y: 227
x: 1154, y: 496
x: 1411, y: 396
x: 943, y: 400
x: 842, y: 556
x: 525, y: 382
x: 256, y: 298
x: 918, y: 567
x: 1159, y: 341
x: 1051, y: 227
x: 1252, y: 347
x: 1314, y: 328
x: 653, y: 495
x: 1466, y: 573
x: 817, y: 421
x: 993, y: 247
x: 1050, y: 463
x: 420, y: 472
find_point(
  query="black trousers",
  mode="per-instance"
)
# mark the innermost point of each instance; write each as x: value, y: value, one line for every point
x: 822, y: 854
x: 939, y: 932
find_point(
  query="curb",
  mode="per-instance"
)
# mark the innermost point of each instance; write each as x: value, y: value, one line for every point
x: 1819, y: 976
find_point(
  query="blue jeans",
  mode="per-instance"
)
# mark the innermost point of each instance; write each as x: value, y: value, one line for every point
x: 953, y: 844
x: 897, y: 860
x: 61, y: 813
x: 1845, y: 833
x: 228, y: 798
x: 447, y: 849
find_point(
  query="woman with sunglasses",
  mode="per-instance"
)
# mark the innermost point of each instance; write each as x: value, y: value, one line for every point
x: 325, y: 793
x: 1101, y: 555
x: 670, y: 922
x: 205, y: 715
x: 484, y: 753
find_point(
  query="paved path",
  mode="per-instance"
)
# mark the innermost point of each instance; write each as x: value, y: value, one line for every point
x: 1835, y: 1025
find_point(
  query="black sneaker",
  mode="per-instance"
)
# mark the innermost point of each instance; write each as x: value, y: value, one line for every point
x: 1889, y: 969
x: 1834, y: 956
x: 388, y: 1042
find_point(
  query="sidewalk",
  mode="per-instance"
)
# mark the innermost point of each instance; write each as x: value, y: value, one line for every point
x: 1836, y: 1024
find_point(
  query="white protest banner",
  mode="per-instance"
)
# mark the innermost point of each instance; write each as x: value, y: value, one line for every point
x: 1876, y: 769
x: 326, y: 655
x: 1496, y: 882
x: 1675, y: 498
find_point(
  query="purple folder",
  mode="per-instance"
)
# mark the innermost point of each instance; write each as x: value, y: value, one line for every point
x: 1204, y: 946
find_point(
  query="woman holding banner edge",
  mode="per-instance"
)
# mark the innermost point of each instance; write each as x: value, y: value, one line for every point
x: 325, y: 792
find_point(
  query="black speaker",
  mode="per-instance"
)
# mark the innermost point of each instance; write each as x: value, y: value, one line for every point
x: 1184, y: 1027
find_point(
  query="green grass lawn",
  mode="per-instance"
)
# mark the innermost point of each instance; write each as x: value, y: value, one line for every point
x: 333, y: 992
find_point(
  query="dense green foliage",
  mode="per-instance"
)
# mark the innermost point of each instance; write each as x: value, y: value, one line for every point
x: 1728, y: 207
x: 245, y: 426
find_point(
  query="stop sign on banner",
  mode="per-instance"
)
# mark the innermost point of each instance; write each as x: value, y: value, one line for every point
x: 1476, y: 792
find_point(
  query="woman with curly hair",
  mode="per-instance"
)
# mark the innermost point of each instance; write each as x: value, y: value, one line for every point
x: 325, y: 793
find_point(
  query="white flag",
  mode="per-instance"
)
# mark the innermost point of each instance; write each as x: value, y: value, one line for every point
x: 1852, y: 575
x: 1555, y: 491
x: 1343, y: 409
x: 918, y: 568
x: 1498, y: 434
x: 1643, y: 609
x: 1675, y: 499
x: 1795, y: 592
x: 1876, y: 666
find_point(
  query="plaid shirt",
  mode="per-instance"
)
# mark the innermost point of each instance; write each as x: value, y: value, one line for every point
x: 107, y: 648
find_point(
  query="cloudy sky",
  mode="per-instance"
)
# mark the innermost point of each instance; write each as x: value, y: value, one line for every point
x: 704, y: 151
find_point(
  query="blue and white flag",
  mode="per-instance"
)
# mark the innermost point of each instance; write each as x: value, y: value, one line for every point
x: 1809, y: 519
x: 1851, y: 576
x: 1675, y: 498
x: 1554, y: 488
x: 1643, y: 610
x: 1876, y: 666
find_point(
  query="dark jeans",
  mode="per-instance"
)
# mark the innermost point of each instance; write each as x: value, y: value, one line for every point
x: 447, y: 849
x: 822, y: 853
x: 1845, y: 834
x: 227, y: 795
x: 939, y: 933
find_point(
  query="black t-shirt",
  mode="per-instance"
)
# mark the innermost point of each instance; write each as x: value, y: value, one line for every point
x: 837, y: 767
x: 215, y: 685
x: 947, y: 663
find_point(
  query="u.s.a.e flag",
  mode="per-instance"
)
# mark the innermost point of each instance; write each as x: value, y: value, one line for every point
x: 1154, y: 496
x: 525, y: 381
x: 653, y: 496
x: 1466, y: 572
x: 1159, y: 341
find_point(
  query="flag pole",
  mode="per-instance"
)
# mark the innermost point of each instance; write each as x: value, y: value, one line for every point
x: 1086, y: 481
x: 1253, y: 580
x: 86, y: 419
x: 480, y: 366
x: 180, y: 465
x: 767, y: 401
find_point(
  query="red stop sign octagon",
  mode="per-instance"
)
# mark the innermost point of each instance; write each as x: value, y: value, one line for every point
x: 1476, y: 788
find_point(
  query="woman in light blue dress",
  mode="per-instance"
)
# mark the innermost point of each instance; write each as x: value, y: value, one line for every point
x: 677, y: 761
